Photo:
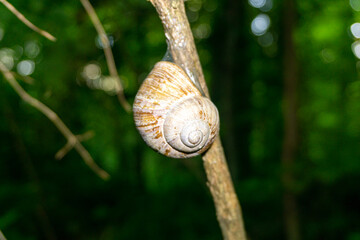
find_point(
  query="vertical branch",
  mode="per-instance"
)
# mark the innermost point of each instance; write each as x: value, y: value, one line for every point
x: 227, y: 205
x: 2, y: 237
x: 290, y: 140
x: 107, y: 51
x: 181, y: 44
x: 54, y: 118
x: 27, y: 22
x: 179, y: 37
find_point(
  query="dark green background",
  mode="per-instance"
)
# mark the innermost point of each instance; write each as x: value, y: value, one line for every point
x: 150, y: 196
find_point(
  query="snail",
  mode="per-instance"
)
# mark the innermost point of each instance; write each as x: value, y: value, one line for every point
x: 172, y: 115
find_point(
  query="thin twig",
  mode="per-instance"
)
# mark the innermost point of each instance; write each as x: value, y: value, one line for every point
x: 27, y: 22
x: 108, y: 53
x: 181, y: 44
x: 70, y: 145
x: 26, y: 79
x: 2, y: 237
x: 53, y: 117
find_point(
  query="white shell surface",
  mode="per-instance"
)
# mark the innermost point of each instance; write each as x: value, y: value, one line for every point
x: 168, y: 90
x: 190, y: 123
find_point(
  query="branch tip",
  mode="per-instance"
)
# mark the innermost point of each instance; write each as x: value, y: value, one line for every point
x: 22, y: 18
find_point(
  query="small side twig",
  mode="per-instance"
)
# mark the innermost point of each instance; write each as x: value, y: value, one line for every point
x: 54, y: 118
x: 70, y: 145
x: 27, y: 22
x: 26, y: 79
x: 107, y: 51
x: 2, y: 237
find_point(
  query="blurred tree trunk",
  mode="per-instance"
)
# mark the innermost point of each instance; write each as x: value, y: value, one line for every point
x: 232, y: 84
x: 290, y: 140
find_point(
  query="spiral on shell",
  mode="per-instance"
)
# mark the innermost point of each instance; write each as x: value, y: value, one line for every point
x: 171, y: 114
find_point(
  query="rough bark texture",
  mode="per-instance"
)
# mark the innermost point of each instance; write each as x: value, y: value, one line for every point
x: 182, y: 47
x: 290, y: 143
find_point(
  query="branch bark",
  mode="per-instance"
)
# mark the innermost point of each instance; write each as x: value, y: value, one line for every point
x: 182, y: 47
x: 70, y: 145
x: 54, y: 118
x: 27, y: 22
x: 2, y: 237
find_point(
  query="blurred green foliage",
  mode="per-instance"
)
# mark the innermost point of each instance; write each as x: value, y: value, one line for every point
x: 148, y: 195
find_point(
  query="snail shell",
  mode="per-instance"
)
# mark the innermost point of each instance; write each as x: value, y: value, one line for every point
x: 171, y: 114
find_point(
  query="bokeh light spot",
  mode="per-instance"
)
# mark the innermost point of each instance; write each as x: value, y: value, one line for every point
x: 257, y: 3
x: 7, y: 57
x: 26, y: 67
x: 260, y: 24
x: 92, y: 71
x: 355, y: 4
x: 109, y: 85
x: 267, y: 7
x: 356, y: 49
x: 266, y: 40
x: 192, y: 16
x: 18, y: 52
x: 210, y: 6
x: 32, y: 49
x: 328, y: 55
x: 202, y: 31
x: 355, y: 30
x: 100, y: 44
x: 195, y: 5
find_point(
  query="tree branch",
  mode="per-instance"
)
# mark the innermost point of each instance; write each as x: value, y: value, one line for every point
x: 181, y: 44
x: 27, y: 22
x: 53, y: 117
x: 70, y: 145
x: 2, y: 237
x: 108, y: 53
